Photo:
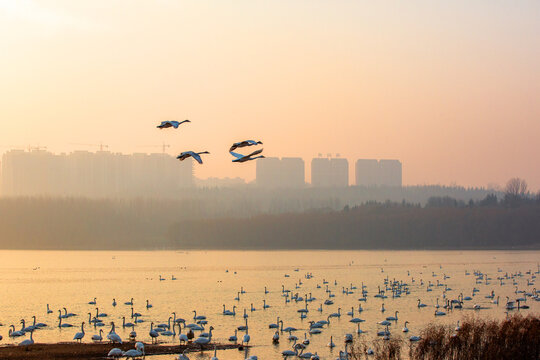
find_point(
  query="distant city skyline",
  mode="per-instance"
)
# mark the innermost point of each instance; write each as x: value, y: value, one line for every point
x: 104, y: 173
x: 100, y: 174
x: 356, y: 172
x: 452, y: 89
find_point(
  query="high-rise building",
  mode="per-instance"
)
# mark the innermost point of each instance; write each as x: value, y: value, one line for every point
x: 100, y: 174
x: 329, y: 172
x: 293, y: 172
x: 273, y: 172
x: 370, y: 172
x: 390, y: 172
x: 367, y: 172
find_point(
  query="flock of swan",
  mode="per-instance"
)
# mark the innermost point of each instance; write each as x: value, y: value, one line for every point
x: 322, y: 311
x: 238, y: 158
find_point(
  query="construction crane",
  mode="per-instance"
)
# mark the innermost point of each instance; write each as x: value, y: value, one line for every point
x: 162, y: 146
x: 36, y: 148
x: 101, y: 145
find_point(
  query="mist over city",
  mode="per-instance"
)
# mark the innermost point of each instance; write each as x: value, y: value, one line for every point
x: 104, y: 200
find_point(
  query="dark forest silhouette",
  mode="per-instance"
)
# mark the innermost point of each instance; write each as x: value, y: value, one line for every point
x: 443, y: 222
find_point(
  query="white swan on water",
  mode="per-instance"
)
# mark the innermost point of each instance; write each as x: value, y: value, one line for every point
x: 97, y: 337
x: 393, y: 318
x: 65, y: 325
x: 38, y: 325
x: 246, y: 338
x: 234, y: 338
x: 215, y: 354
x: 79, y: 336
x: 274, y: 326
x: 126, y: 324
x: 331, y: 343
x: 13, y: 333
x: 115, y: 353
x: 132, y: 353
x: 113, y: 336
x: 153, y: 333
x: 183, y: 356
x: 204, y: 340
x: 28, y: 342
x: 198, y: 317
x: 98, y: 314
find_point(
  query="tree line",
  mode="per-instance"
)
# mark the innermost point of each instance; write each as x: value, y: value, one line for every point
x: 372, y: 226
x: 497, y: 220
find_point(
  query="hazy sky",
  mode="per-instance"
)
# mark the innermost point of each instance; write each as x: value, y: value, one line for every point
x: 452, y: 88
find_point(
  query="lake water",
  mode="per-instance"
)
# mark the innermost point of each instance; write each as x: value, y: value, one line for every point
x: 31, y: 279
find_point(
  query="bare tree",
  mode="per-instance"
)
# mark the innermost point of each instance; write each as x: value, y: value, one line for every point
x: 516, y: 188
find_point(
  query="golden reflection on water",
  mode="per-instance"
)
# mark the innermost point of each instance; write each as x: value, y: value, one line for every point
x: 32, y: 279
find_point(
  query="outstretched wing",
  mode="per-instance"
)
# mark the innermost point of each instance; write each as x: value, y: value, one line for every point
x: 256, y: 152
x: 175, y: 124
x: 236, y: 155
x: 235, y: 146
x: 196, y: 157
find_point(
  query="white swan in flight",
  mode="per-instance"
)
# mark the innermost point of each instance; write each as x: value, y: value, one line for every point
x: 171, y: 123
x: 244, y: 143
x: 183, y: 156
x: 243, y: 158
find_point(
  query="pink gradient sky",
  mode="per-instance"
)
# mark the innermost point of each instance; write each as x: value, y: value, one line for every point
x: 452, y: 89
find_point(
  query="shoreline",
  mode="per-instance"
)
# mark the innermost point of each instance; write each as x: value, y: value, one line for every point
x: 44, y: 351
x: 534, y: 247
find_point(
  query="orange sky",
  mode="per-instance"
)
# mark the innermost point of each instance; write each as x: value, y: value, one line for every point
x: 450, y: 88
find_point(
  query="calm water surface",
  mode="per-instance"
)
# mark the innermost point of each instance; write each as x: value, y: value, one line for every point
x: 31, y: 279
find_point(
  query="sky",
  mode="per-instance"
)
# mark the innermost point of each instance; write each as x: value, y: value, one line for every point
x: 451, y: 88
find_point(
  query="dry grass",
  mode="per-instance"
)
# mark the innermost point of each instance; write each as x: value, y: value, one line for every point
x: 515, y: 338
x: 382, y: 349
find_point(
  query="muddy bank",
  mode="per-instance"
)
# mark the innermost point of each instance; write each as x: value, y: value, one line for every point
x: 94, y: 351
